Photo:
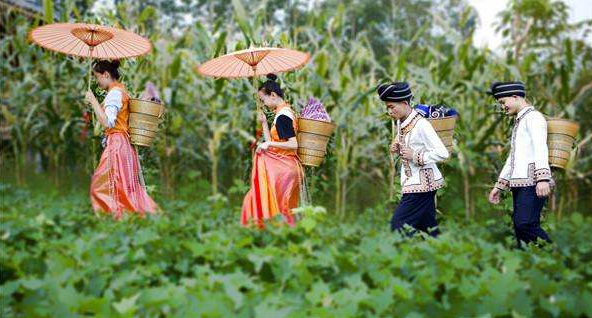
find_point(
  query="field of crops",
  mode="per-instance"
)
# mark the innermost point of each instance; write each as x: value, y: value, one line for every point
x: 58, y: 260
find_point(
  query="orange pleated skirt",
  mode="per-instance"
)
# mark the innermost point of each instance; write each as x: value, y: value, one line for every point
x: 117, y: 184
x: 275, y: 188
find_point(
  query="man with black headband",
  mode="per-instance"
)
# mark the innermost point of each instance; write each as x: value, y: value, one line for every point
x: 526, y: 171
x: 420, y: 149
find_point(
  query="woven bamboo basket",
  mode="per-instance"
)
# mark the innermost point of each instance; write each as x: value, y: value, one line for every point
x: 313, y: 136
x: 143, y: 121
x: 444, y: 127
x: 561, y: 136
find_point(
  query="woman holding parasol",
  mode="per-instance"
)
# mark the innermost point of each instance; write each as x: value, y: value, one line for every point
x: 117, y: 184
x: 277, y: 173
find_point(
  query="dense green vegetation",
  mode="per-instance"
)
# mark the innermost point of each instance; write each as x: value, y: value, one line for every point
x: 59, y: 260
x: 355, y: 45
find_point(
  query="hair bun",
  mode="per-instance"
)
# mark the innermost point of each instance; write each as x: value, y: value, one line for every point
x: 272, y: 77
x: 115, y: 63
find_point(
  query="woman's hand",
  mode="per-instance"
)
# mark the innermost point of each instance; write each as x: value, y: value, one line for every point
x: 406, y: 152
x: 96, y: 107
x: 262, y: 118
x: 90, y: 98
x: 263, y: 146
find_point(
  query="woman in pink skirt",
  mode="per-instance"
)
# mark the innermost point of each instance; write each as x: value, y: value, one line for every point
x: 117, y: 185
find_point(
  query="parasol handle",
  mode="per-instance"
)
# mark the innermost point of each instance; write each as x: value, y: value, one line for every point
x: 93, y: 120
x: 258, y: 129
x: 90, y: 67
x: 89, y: 75
x: 258, y: 102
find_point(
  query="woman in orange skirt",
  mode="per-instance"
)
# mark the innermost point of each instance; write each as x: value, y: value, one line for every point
x: 277, y: 173
x: 117, y: 185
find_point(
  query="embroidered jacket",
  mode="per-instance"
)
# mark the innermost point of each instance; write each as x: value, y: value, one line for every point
x: 421, y: 174
x: 528, y: 162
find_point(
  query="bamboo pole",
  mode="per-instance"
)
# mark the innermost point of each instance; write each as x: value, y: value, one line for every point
x: 393, y: 165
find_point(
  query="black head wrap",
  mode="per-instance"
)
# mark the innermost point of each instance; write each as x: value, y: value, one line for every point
x: 394, y: 92
x: 506, y: 89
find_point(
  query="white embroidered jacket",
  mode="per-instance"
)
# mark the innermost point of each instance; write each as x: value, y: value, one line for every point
x: 421, y: 174
x: 528, y: 162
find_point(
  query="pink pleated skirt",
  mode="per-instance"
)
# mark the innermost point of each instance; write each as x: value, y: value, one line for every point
x: 117, y: 186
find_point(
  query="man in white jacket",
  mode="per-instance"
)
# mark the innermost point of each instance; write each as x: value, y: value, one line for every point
x: 420, y: 149
x: 526, y: 171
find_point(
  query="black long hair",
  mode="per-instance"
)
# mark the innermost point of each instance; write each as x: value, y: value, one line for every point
x: 272, y: 86
x: 110, y: 67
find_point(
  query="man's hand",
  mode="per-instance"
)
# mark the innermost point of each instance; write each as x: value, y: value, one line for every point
x: 494, y: 196
x: 406, y: 152
x: 543, y: 189
x: 395, y: 146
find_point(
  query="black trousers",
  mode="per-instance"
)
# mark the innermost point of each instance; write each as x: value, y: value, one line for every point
x: 527, y: 215
x: 417, y: 210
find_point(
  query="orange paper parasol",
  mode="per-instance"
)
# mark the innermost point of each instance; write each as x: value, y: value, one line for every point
x: 90, y: 40
x: 254, y: 62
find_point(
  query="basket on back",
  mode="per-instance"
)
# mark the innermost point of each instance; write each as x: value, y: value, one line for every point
x: 143, y: 121
x: 444, y: 127
x: 561, y: 136
x: 313, y: 136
